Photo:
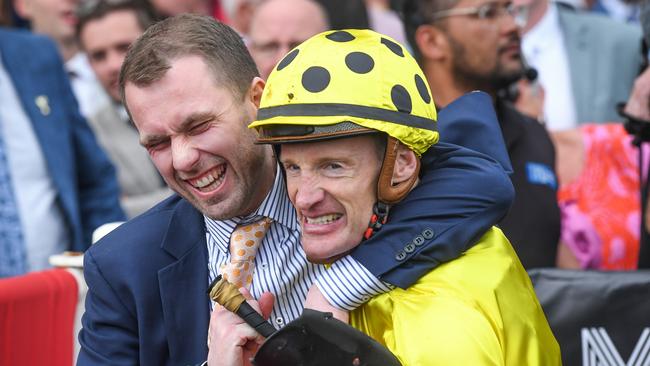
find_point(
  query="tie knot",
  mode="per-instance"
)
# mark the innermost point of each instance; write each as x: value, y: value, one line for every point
x: 254, y: 231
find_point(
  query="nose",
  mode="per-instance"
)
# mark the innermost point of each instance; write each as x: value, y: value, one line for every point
x: 511, y: 19
x: 308, y: 194
x: 184, y: 155
x: 509, y: 27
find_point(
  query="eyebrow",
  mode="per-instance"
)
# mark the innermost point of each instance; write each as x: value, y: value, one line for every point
x: 343, y: 158
x: 184, y: 126
x: 193, y: 118
x: 149, y: 140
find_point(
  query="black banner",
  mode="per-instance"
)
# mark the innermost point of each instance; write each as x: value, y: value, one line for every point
x: 598, y: 318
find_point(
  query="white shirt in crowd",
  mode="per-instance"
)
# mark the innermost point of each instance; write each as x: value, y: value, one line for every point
x: 544, y: 49
x: 89, y: 92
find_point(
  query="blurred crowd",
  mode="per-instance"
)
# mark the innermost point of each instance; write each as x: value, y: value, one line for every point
x: 567, y: 78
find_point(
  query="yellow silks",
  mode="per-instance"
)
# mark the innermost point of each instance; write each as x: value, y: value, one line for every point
x: 479, y: 309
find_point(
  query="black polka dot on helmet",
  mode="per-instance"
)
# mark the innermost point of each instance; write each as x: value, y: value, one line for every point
x: 287, y: 59
x: 315, y: 79
x: 340, y: 36
x: 394, y: 47
x: 422, y: 89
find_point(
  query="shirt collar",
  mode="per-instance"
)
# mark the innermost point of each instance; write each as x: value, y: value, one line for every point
x: 79, y: 67
x: 276, y: 205
x: 540, y: 36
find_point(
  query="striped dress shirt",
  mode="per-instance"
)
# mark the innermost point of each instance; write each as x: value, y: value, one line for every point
x: 281, y: 266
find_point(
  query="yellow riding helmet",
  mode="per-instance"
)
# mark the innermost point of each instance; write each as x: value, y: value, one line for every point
x: 347, y: 82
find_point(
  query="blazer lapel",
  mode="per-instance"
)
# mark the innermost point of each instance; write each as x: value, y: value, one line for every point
x: 183, y: 287
x: 38, y: 91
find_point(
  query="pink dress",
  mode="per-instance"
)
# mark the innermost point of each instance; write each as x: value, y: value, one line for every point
x: 601, y: 211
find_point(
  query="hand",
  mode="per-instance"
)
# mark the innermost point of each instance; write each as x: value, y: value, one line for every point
x: 315, y: 300
x: 531, y: 99
x: 232, y: 342
x: 638, y: 105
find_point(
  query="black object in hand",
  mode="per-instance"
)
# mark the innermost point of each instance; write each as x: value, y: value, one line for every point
x: 227, y: 295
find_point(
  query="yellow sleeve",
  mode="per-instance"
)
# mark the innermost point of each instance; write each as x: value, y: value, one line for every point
x: 444, y: 331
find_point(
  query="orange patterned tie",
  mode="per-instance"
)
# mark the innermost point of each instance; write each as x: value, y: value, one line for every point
x: 244, y: 241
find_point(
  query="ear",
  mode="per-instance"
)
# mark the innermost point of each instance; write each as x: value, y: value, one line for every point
x: 256, y: 90
x: 406, y: 165
x: 23, y: 8
x: 432, y: 42
x: 399, y: 173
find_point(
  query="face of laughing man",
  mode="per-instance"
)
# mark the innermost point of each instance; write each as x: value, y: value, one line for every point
x: 333, y: 185
x: 197, y: 136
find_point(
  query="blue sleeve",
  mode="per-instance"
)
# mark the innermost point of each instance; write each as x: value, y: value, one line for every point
x: 109, y: 335
x: 471, y: 122
x: 461, y: 194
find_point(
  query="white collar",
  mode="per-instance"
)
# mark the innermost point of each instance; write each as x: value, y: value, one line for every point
x: 543, y: 33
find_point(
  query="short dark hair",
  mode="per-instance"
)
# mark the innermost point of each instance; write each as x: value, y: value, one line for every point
x: 418, y: 12
x: 221, y: 48
x: 90, y: 10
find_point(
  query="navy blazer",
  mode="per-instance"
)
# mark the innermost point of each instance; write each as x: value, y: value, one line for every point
x: 462, y: 192
x: 82, y: 174
x: 147, y: 301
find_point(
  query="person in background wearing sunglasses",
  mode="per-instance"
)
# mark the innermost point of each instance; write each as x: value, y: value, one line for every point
x: 466, y: 45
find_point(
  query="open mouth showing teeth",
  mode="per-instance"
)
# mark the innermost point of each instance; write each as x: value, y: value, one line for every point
x: 211, y: 180
x: 323, y: 220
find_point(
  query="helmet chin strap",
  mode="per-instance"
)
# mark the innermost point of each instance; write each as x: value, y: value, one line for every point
x: 377, y: 220
x: 388, y: 193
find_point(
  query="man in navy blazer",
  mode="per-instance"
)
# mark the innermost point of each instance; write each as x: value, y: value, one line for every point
x: 83, y: 179
x: 147, y: 302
